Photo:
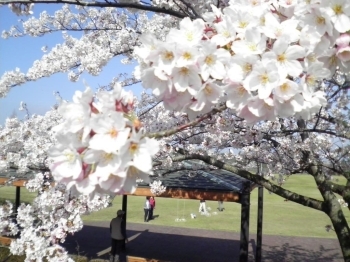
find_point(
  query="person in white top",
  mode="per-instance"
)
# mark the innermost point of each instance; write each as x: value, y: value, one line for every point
x: 202, y: 207
x: 146, y: 208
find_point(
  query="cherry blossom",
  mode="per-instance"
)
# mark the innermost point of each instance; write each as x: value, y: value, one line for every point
x: 339, y: 11
x: 269, y: 45
x: 53, y: 215
x: 157, y: 188
x: 113, y: 153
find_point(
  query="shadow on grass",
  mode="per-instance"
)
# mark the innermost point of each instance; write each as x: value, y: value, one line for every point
x: 176, y: 247
x: 154, y: 217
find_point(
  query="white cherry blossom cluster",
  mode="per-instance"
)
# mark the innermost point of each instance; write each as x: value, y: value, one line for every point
x: 3, y: 164
x: 196, y: 6
x: 265, y: 59
x: 21, y: 9
x: 39, y: 182
x: 100, y: 144
x: 53, y: 215
x: 8, y: 226
x: 24, y: 144
x: 9, y: 79
x: 157, y: 188
x: 108, y: 32
x: 227, y: 137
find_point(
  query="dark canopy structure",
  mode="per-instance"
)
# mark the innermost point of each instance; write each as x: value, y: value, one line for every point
x: 195, y: 183
x: 207, y: 183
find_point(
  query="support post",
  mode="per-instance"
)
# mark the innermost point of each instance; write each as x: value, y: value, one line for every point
x: 124, y: 208
x: 18, y: 197
x: 245, y: 210
x: 258, y: 254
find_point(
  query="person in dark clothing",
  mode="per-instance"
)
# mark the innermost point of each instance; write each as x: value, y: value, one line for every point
x: 117, y: 229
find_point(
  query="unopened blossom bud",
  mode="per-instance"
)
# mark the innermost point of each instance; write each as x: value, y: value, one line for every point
x: 343, y: 48
x: 343, y: 40
x: 343, y: 53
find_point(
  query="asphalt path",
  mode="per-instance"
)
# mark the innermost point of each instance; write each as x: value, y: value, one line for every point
x: 183, y: 244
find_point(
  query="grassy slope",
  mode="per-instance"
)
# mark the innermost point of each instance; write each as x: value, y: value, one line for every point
x: 280, y: 217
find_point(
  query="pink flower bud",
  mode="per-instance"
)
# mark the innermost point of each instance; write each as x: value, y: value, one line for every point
x: 343, y: 40
x: 343, y: 53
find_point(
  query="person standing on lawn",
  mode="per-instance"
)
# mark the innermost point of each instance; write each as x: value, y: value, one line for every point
x: 202, y: 207
x: 117, y: 229
x: 221, y: 205
x: 146, y: 208
x: 152, y: 203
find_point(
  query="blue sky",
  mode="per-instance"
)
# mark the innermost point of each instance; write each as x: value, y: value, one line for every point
x: 22, y: 52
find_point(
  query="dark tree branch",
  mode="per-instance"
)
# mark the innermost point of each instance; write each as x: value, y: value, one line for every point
x: 340, y: 88
x: 148, y: 109
x: 300, y: 199
x: 336, y: 188
x: 318, y: 118
x: 101, y: 4
x: 191, y: 8
x: 304, y: 131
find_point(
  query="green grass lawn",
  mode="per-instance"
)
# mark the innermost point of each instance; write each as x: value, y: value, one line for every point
x: 6, y: 256
x: 9, y: 193
x: 280, y: 217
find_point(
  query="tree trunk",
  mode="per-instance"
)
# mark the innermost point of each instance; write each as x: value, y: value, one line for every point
x: 341, y: 228
x: 334, y: 211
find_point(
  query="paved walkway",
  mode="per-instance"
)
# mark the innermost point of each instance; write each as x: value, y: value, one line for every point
x: 192, y: 245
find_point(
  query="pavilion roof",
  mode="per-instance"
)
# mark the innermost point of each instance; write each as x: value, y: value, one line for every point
x: 204, y: 180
